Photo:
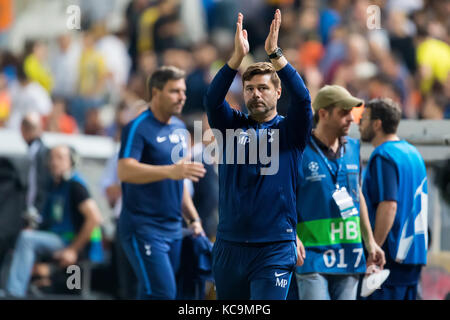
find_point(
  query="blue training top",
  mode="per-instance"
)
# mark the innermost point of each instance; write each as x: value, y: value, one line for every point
x: 153, y: 208
x: 407, y: 240
x: 255, y: 207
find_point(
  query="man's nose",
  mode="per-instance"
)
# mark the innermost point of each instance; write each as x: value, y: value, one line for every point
x: 256, y: 93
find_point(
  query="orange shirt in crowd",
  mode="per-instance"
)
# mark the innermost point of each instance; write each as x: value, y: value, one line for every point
x: 6, y: 14
x: 63, y: 124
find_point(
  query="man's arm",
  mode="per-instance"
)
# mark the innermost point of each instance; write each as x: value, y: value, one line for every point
x: 92, y: 219
x: 299, y: 117
x: 385, y: 195
x: 190, y: 213
x: 271, y: 43
x: 384, y: 221
x: 375, y: 253
x: 301, y: 252
x: 220, y: 114
x: 132, y: 171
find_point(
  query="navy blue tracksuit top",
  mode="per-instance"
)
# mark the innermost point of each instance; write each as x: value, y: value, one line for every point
x: 253, y: 207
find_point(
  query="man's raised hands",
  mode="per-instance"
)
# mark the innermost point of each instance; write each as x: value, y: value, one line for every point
x: 272, y: 38
x: 241, y: 45
x: 272, y: 41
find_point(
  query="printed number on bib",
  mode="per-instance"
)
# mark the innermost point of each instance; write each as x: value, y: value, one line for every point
x: 330, y: 258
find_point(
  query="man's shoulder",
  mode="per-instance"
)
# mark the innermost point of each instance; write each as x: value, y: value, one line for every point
x: 135, y: 124
x: 177, y: 122
x: 78, y: 180
x: 78, y: 186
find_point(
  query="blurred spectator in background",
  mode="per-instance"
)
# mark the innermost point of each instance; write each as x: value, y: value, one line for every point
x: 124, y: 114
x: 6, y: 19
x: 27, y: 96
x: 167, y: 29
x: 36, y: 66
x: 146, y: 65
x: 437, y: 103
x: 39, y: 172
x: 5, y: 100
x: 58, y: 120
x: 145, y: 24
x: 198, y: 80
x: 433, y: 57
x: 132, y: 16
x: 117, y: 62
x: 91, y: 81
x: 71, y: 221
x: 193, y: 21
x: 330, y: 17
x: 178, y: 57
x: 97, y: 11
x: 206, y: 190
x: 93, y: 124
x: 64, y: 59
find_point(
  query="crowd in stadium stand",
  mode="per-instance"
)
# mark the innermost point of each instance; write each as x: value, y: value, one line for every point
x: 402, y: 53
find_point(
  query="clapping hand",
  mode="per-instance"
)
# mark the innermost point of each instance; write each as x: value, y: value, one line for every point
x: 241, y: 45
x: 272, y: 38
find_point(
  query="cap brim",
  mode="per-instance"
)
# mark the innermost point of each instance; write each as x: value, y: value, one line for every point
x: 350, y: 103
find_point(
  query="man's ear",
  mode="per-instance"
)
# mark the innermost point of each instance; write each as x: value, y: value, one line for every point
x: 322, y: 113
x: 279, y: 93
x: 155, y: 92
x: 377, y: 125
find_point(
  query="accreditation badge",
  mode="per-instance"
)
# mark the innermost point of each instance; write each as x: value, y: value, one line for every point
x: 344, y: 202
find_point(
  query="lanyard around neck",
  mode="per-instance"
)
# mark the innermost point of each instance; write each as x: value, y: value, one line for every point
x: 334, y: 175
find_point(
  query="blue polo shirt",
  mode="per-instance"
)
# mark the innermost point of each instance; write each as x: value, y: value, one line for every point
x: 256, y: 208
x: 153, y: 208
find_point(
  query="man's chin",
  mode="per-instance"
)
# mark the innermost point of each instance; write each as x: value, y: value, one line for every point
x: 177, y: 110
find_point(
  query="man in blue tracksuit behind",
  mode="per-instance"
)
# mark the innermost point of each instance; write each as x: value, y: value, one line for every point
x: 255, y: 252
x: 395, y: 188
x: 154, y: 198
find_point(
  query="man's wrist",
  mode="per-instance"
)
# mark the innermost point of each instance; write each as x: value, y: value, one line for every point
x: 275, y: 53
x: 193, y: 220
x: 235, y: 62
x: 73, y: 248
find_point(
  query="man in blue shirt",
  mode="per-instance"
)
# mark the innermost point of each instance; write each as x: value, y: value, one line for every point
x: 152, y: 187
x: 395, y: 188
x: 255, y: 252
x: 332, y: 215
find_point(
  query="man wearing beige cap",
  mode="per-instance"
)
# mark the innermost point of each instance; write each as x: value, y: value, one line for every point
x: 332, y: 214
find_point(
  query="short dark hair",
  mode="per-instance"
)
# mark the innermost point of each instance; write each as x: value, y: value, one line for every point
x: 388, y: 111
x: 316, y: 117
x: 261, y: 68
x: 160, y: 77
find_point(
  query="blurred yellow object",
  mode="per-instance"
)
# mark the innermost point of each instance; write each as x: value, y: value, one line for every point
x: 433, y: 57
x: 5, y: 106
x: 92, y: 72
x: 146, y: 24
x: 35, y: 71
